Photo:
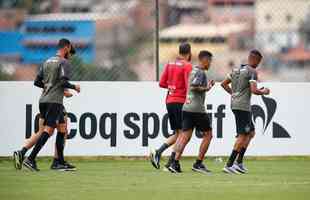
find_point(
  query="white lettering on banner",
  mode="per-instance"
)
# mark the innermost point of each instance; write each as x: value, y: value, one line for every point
x: 126, y: 118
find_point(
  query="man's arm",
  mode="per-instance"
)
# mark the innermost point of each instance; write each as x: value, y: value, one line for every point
x: 64, y: 77
x: 38, y: 82
x: 187, y: 71
x: 226, y: 85
x: 256, y: 91
x: 67, y: 93
x: 253, y: 85
x: 211, y: 83
x: 163, y: 82
x: 197, y: 83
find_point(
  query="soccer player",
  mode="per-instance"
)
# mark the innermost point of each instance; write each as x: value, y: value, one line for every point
x: 243, y: 81
x: 18, y: 156
x: 195, y: 115
x: 174, y: 78
x: 54, y: 75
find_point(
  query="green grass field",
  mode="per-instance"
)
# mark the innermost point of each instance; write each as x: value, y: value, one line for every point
x: 285, y: 178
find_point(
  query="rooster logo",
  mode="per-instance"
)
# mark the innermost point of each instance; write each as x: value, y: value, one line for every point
x: 271, y: 106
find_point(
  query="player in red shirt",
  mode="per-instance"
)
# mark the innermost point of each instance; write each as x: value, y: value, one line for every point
x: 174, y: 78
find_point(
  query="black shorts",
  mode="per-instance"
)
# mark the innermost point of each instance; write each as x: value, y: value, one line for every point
x: 52, y: 113
x: 244, y: 123
x: 175, y: 115
x: 192, y: 120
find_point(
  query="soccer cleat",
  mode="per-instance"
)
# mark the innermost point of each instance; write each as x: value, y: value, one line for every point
x: 175, y: 167
x: 200, y: 167
x: 57, y: 166
x: 54, y: 164
x: 155, y: 158
x: 31, y: 165
x: 239, y: 168
x: 69, y: 166
x: 18, y: 159
x: 230, y: 170
x: 166, y: 167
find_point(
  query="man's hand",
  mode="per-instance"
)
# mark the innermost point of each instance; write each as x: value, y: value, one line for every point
x: 266, y: 91
x: 210, y: 85
x: 78, y: 88
x: 68, y: 94
x: 226, y: 87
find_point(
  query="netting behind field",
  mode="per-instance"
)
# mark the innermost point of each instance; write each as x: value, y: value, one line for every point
x: 116, y: 40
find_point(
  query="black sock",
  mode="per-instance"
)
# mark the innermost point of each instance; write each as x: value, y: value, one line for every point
x: 241, y: 155
x: 60, y: 143
x: 24, y: 151
x: 198, y: 161
x: 171, y: 158
x: 42, y: 140
x: 232, y: 158
x: 162, y: 148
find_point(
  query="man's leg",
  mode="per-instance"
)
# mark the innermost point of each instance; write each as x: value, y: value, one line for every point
x: 203, y: 125
x: 19, y: 155
x: 204, y: 146
x: 59, y: 162
x: 60, y: 142
x: 170, y: 141
x: 172, y: 155
x: 243, y: 127
x: 239, y: 164
x: 155, y: 155
x: 198, y: 166
x: 237, y: 147
x: 65, y: 137
x: 175, y: 119
x: 181, y: 143
x: 241, y: 139
x: 52, y: 114
x: 30, y: 161
x: 178, y: 149
x: 29, y: 143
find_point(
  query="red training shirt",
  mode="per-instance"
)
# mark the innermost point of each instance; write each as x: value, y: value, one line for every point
x: 175, y: 79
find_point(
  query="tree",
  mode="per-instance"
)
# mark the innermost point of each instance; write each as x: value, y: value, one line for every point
x: 88, y: 72
x: 4, y: 76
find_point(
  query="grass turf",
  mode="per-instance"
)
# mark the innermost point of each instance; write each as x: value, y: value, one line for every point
x: 272, y: 179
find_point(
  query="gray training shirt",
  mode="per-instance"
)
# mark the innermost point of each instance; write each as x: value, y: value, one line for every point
x: 53, y: 72
x: 240, y: 85
x: 195, y: 100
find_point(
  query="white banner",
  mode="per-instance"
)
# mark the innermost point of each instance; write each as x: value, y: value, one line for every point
x: 127, y: 118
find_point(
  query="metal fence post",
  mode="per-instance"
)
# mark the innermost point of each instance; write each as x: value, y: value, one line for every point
x: 157, y: 39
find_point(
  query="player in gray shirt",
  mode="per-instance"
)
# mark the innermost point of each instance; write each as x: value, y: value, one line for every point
x: 243, y: 84
x: 53, y: 78
x: 194, y: 115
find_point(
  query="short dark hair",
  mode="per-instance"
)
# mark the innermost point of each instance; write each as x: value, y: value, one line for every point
x: 204, y: 54
x: 63, y: 42
x: 184, y: 48
x: 255, y: 52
